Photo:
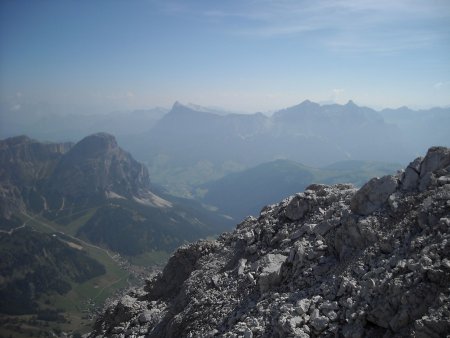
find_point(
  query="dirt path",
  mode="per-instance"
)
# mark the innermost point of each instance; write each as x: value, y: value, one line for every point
x: 67, y: 235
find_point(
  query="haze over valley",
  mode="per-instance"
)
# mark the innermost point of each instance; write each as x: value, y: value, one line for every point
x: 224, y: 169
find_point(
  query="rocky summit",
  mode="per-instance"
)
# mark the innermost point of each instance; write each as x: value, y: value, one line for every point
x: 97, y: 165
x: 330, y: 261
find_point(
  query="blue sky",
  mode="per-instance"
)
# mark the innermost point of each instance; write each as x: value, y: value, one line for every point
x: 104, y: 55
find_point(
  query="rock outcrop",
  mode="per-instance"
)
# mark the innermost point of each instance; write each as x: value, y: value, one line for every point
x: 330, y: 261
x: 24, y: 164
x: 98, y: 166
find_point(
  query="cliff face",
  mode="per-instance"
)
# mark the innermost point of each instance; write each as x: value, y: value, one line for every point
x: 25, y: 161
x: 45, y: 176
x: 332, y: 260
x: 25, y: 164
x: 98, y: 166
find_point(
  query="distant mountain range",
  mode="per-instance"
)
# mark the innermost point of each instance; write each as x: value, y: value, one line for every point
x: 188, y: 147
x: 190, y: 144
x: 45, y: 122
x: 420, y: 128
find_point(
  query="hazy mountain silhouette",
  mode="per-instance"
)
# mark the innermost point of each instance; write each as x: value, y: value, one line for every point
x: 192, y: 147
x: 244, y: 193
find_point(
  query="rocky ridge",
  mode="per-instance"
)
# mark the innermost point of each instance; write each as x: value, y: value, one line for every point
x: 24, y: 164
x: 331, y: 261
x: 52, y: 176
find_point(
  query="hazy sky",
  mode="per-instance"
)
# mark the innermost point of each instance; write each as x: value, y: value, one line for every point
x: 239, y: 55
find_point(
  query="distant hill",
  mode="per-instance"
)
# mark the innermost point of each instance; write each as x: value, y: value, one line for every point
x: 244, y: 193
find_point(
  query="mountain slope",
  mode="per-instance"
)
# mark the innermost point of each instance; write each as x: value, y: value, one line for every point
x: 331, y: 261
x: 189, y: 147
x: 73, y: 218
x: 97, y: 168
x: 100, y: 187
x: 25, y: 164
x: 420, y: 128
x: 35, y: 264
x: 244, y: 193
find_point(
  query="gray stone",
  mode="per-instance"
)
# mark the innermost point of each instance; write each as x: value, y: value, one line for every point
x: 410, y: 178
x: 270, y: 275
x: 369, y: 276
x: 248, y: 333
x: 332, y: 315
x: 323, y: 227
x: 241, y: 266
x: 436, y: 158
x: 373, y: 195
x: 297, y: 208
x: 145, y: 317
x: 303, y: 306
x: 320, y: 323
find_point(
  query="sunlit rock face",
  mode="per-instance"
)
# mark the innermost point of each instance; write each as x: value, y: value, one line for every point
x: 332, y: 260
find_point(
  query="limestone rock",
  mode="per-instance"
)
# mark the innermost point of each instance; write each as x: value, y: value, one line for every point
x: 328, y: 262
x: 297, y: 208
x: 410, y: 178
x: 436, y: 158
x: 373, y: 195
x: 270, y: 275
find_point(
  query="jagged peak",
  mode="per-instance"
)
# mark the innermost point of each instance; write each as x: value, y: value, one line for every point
x: 308, y: 103
x: 177, y: 104
x: 350, y: 103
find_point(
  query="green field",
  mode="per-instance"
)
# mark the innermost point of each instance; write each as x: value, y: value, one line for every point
x: 82, y: 298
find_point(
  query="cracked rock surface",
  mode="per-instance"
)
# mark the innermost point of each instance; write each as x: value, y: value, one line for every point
x: 330, y: 261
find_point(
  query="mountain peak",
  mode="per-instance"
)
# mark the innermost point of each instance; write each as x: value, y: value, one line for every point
x: 96, y: 165
x: 308, y: 103
x: 178, y: 104
x: 97, y: 143
x: 102, y: 137
x: 16, y: 140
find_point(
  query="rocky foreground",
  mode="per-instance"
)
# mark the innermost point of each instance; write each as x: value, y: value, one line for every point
x: 331, y: 261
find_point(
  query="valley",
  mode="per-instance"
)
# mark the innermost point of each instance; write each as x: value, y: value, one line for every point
x: 224, y: 169
x: 53, y: 292
x: 100, y: 206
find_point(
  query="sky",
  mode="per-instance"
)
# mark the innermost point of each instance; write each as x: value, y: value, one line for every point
x: 257, y: 55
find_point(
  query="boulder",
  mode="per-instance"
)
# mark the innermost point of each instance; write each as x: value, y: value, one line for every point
x: 297, y: 208
x: 373, y: 195
x: 410, y: 178
x: 270, y: 275
x: 436, y: 158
